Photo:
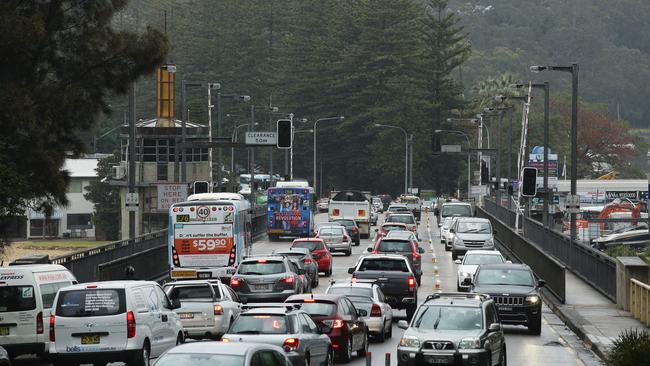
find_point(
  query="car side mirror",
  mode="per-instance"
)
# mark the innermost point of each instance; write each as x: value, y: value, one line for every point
x: 351, y: 270
x: 457, y: 261
x: 402, y: 324
x: 494, y: 327
x: 452, y: 231
x: 175, y: 304
x: 421, y: 250
x: 494, y: 232
x: 509, y: 262
x: 541, y: 283
x: 362, y: 312
x: 369, y: 250
x: 467, y: 281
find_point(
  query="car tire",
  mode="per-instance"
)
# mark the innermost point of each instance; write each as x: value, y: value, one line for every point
x: 346, y: 352
x: 314, y: 283
x: 363, y: 351
x: 329, y: 361
x: 381, y: 337
x: 535, y: 326
x: 389, y: 334
x: 180, y: 339
x: 329, y: 273
x: 503, y: 357
x: 307, y: 359
x: 144, y: 356
x: 410, y: 311
x: 454, y: 255
x: 357, y: 242
x: 348, y: 252
x: 447, y: 248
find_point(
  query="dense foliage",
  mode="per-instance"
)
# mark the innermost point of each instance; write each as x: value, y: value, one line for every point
x: 106, y: 201
x: 630, y: 348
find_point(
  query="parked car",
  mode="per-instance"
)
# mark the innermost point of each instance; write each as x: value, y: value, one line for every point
x: 515, y: 292
x: 208, y: 307
x: 101, y: 322
x: 405, y: 246
x: 405, y: 218
x: 319, y: 252
x: 304, y: 256
x: 471, y: 233
x: 348, y: 332
x: 352, y: 229
x: 380, y: 315
x: 224, y: 354
x: 386, y: 227
x: 266, y: 278
x: 467, y: 268
x: 336, y: 238
x: 453, y: 329
x: 394, y: 275
x: 286, y: 326
x: 26, y: 296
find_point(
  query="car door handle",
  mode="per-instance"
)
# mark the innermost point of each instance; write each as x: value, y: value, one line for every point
x: 164, y: 317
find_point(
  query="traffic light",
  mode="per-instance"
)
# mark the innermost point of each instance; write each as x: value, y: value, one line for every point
x: 485, y: 173
x: 284, y: 133
x: 529, y: 184
x: 201, y: 187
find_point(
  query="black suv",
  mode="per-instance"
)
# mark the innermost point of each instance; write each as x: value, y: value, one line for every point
x: 515, y: 292
x: 453, y: 329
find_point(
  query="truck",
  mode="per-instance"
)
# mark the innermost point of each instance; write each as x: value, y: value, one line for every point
x: 351, y: 204
x: 413, y: 203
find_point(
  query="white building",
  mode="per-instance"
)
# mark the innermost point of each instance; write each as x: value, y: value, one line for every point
x: 74, y: 220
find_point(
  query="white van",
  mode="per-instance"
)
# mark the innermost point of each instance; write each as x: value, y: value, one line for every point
x: 26, y: 296
x: 101, y: 322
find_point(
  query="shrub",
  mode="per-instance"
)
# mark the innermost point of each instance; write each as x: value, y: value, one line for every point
x: 631, y: 348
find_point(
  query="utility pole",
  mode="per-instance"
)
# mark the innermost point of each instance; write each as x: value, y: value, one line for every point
x: 219, y: 150
x: 411, y: 163
x: 132, y: 156
x: 252, y: 159
x: 291, y: 150
x: 183, y: 131
x: 210, y: 167
x: 547, y: 196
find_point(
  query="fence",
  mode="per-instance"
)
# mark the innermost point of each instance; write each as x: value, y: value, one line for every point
x: 640, y: 301
x: 594, y: 267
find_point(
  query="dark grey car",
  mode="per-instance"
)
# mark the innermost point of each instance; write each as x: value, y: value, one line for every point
x: 267, y: 278
x: 286, y: 326
x: 308, y: 262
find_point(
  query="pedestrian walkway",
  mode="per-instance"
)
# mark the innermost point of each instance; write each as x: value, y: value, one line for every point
x: 591, y: 315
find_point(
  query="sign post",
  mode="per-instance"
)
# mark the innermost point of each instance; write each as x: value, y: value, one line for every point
x: 573, y: 204
x: 132, y: 201
x: 261, y: 138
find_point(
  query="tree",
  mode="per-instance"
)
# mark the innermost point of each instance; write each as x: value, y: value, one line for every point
x: 106, y: 200
x: 60, y: 61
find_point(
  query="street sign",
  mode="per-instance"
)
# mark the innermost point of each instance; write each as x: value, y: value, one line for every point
x: 573, y: 204
x: 261, y: 138
x: 450, y: 148
x: 132, y: 199
x: 171, y: 193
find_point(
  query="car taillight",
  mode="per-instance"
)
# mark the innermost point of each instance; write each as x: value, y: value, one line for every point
x: 338, y: 323
x: 411, y: 282
x: 234, y: 281
x: 375, y: 311
x: 346, y: 238
x: 130, y: 325
x: 39, y: 323
x: 354, y: 229
x: 307, y: 261
x: 288, y: 279
x: 218, y: 309
x: 175, y: 259
x: 336, y: 212
x: 290, y: 344
x: 415, y: 255
x: 362, y: 213
x: 52, y: 336
x: 413, y: 229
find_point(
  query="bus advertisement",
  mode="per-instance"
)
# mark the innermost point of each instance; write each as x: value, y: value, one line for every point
x: 207, y: 237
x: 290, y: 211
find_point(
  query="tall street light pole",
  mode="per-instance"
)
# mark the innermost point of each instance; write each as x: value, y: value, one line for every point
x: 243, y: 98
x: 341, y: 118
x: 184, y: 117
x: 406, y: 152
x: 469, y: 154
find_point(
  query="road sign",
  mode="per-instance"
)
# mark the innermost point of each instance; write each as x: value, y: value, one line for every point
x: 170, y: 193
x: 132, y: 201
x: 573, y: 204
x: 450, y: 148
x: 261, y: 138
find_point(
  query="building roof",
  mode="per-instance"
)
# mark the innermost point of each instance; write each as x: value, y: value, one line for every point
x: 177, y: 123
x: 81, y: 168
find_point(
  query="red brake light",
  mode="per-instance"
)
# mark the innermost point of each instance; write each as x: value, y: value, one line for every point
x: 309, y: 299
x: 288, y: 279
x: 307, y: 261
x: 375, y: 311
x: 130, y: 325
x: 52, y: 335
x: 235, y: 281
x: 39, y: 323
x: 91, y: 286
x: 411, y: 281
x: 290, y: 344
x: 338, y: 323
x: 218, y: 309
x: 261, y: 261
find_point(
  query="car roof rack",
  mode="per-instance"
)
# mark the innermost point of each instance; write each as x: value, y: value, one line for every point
x: 457, y: 295
x: 275, y: 305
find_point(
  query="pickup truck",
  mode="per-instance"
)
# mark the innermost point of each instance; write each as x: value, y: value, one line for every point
x: 394, y: 275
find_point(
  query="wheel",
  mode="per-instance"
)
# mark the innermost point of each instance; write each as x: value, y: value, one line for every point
x: 390, y: 330
x: 447, y: 248
x: 306, y: 361
x: 503, y: 357
x: 329, y: 273
x: 381, y: 337
x: 314, y: 283
x: 410, y: 311
x: 454, y: 256
x: 143, y: 359
x: 329, y: 361
x: 357, y: 242
x: 419, y: 280
x: 180, y: 339
x: 346, y: 354
x: 348, y: 253
x: 535, y: 326
x: 364, y: 348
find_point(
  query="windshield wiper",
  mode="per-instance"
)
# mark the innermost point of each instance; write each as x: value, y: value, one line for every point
x: 435, y: 326
x: 417, y: 323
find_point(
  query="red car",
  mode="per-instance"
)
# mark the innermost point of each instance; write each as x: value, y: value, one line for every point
x: 388, y: 226
x: 319, y: 251
x: 347, y: 330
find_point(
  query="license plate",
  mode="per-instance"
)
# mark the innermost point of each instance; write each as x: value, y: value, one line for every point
x: 186, y: 315
x: 261, y: 287
x: 505, y: 308
x: 438, y: 360
x: 184, y: 274
x: 204, y: 274
x: 4, y: 331
x: 93, y: 339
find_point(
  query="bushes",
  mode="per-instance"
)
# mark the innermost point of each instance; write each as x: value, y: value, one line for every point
x: 631, y: 348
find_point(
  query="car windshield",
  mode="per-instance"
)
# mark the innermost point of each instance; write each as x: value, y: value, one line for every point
x: 474, y: 227
x: 362, y: 303
x: 350, y: 290
x: 394, y: 246
x: 311, y: 245
x: 409, y: 199
x: 331, y: 231
x: 448, y: 318
x: 261, y: 267
x: 189, y: 293
x: 397, y: 209
x: 259, y: 324
x: 199, y: 359
x: 482, y: 259
x: 317, y: 308
x: 408, y: 235
x: 392, y: 227
x: 346, y: 223
x: 513, y: 277
x: 384, y: 264
x: 405, y: 219
x: 91, y: 302
x: 446, y: 223
x: 17, y: 298
x: 456, y: 210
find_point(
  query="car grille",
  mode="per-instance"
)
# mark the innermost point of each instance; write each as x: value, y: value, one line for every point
x: 474, y: 243
x: 507, y: 300
x: 438, y: 345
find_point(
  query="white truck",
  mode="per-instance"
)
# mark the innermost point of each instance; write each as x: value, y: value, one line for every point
x: 354, y: 205
x: 413, y: 203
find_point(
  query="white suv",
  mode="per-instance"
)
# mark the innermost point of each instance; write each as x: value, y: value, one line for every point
x: 101, y: 322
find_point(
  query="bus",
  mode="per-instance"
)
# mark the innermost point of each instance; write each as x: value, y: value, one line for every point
x: 208, y: 236
x: 290, y: 210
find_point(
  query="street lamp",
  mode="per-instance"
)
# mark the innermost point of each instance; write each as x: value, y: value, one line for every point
x: 239, y: 97
x: 469, y: 162
x: 232, y: 149
x: 406, y: 152
x: 339, y: 119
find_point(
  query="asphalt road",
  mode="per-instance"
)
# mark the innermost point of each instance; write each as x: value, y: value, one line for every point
x: 557, y: 345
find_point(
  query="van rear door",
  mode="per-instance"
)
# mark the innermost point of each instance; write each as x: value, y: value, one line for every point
x: 19, y: 312
x: 90, y: 320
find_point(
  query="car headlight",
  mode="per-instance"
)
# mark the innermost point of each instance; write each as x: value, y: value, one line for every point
x: 458, y: 240
x: 469, y: 343
x: 532, y: 299
x: 465, y: 274
x: 490, y: 242
x: 409, y: 341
